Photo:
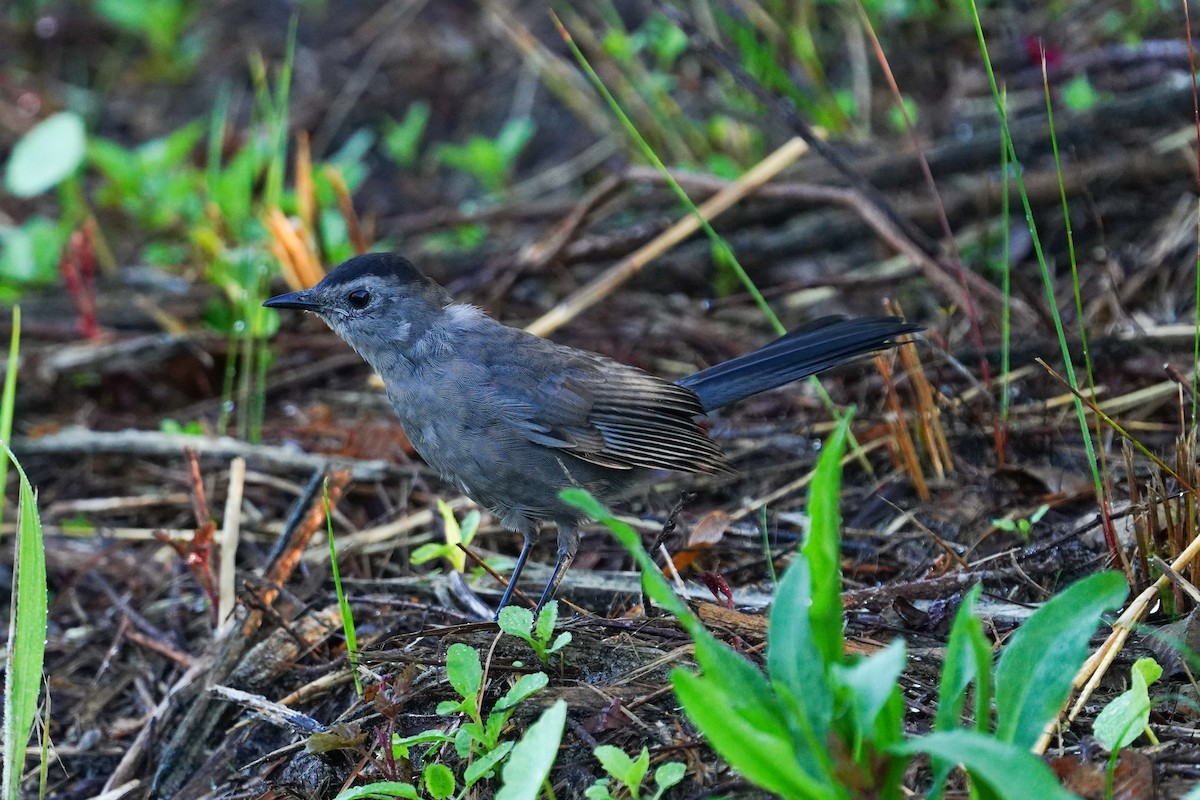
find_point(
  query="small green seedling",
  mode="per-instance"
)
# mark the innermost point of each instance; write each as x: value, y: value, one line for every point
x: 518, y: 622
x: 1127, y: 716
x: 630, y: 772
x: 490, y: 161
x: 456, y: 533
x: 480, y: 738
x: 1024, y: 525
x: 402, y: 140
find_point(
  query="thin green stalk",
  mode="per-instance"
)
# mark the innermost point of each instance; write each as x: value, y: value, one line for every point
x: 343, y: 604
x: 1006, y: 279
x: 766, y: 540
x: 227, y: 402
x: 8, y: 399
x: 1187, y: 26
x: 1062, y: 193
x: 216, y: 139
x: 278, y: 121
x: 1047, y: 279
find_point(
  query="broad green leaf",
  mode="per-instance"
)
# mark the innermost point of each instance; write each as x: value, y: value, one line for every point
x: 1127, y: 715
x: 439, y: 781
x: 968, y: 659
x: 1007, y: 770
x: 822, y: 548
x: 427, y: 552
x: 959, y: 668
x: 764, y: 754
x: 516, y: 621
x: 464, y: 669
x: 546, y: 621
x: 47, y: 155
x: 532, y: 757
x: 1033, y: 676
x: 29, y: 252
x: 402, y: 140
x: 617, y: 763
x: 25, y: 652
x: 669, y: 774
x: 796, y: 667
x: 871, y: 681
x: 481, y: 766
x: 524, y: 687
x: 637, y: 771
x: 381, y: 789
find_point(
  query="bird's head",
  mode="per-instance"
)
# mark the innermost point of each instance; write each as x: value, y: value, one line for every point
x: 373, y: 301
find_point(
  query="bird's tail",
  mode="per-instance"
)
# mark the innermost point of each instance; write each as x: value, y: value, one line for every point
x: 819, y: 346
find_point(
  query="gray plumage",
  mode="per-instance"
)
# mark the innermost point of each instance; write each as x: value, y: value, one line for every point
x: 512, y: 419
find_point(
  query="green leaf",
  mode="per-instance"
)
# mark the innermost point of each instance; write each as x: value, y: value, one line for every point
x: 516, y: 621
x: 1127, y: 715
x: 796, y: 667
x: 29, y: 252
x: 427, y: 552
x: 1078, y: 93
x: 763, y: 753
x: 960, y: 668
x: 546, y: 622
x: 26, y: 647
x: 637, y: 771
x: 448, y: 707
x: 560, y: 641
x: 439, y: 781
x: 402, y: 140
x: 484, y: 764
x: 453, y: 535
x: 599, y: 790
x: 524, y: 687
x: 968, y: 659
x: 1033, y: 676
x: 464, y: 670
x: 617, y: 763
x: 381, y: 789
x: 47, y: 155
x: 822, y: 548
x: 513, y: 137
x: 1007, y: 770
x: 871, y: 681
x: 669, y: 774
x: 532, y: 757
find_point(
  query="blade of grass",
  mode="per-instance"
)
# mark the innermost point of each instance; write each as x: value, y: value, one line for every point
x: 343, y: 604
x: 9, y: 397
x: 1191, y: 50
x: 26, y: 648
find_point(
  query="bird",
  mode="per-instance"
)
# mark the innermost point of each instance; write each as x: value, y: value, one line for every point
x: 512, y: 419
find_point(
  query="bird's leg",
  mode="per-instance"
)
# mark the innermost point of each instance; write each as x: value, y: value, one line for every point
x: 526, y: 546
x: 568, y: 544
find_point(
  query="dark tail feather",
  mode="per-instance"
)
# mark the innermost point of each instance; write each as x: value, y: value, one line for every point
x: 825, y: 344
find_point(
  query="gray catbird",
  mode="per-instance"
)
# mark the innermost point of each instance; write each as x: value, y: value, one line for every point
x: 512, y: 419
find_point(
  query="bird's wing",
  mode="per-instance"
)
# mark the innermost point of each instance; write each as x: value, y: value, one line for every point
x: 609, y: 413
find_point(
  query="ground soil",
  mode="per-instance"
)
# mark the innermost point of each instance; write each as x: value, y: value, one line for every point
x: 134, y: 646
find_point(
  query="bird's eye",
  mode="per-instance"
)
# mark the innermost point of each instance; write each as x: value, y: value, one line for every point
x: 359, y: 298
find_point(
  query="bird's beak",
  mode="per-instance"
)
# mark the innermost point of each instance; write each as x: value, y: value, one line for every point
x: 298, y: 300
